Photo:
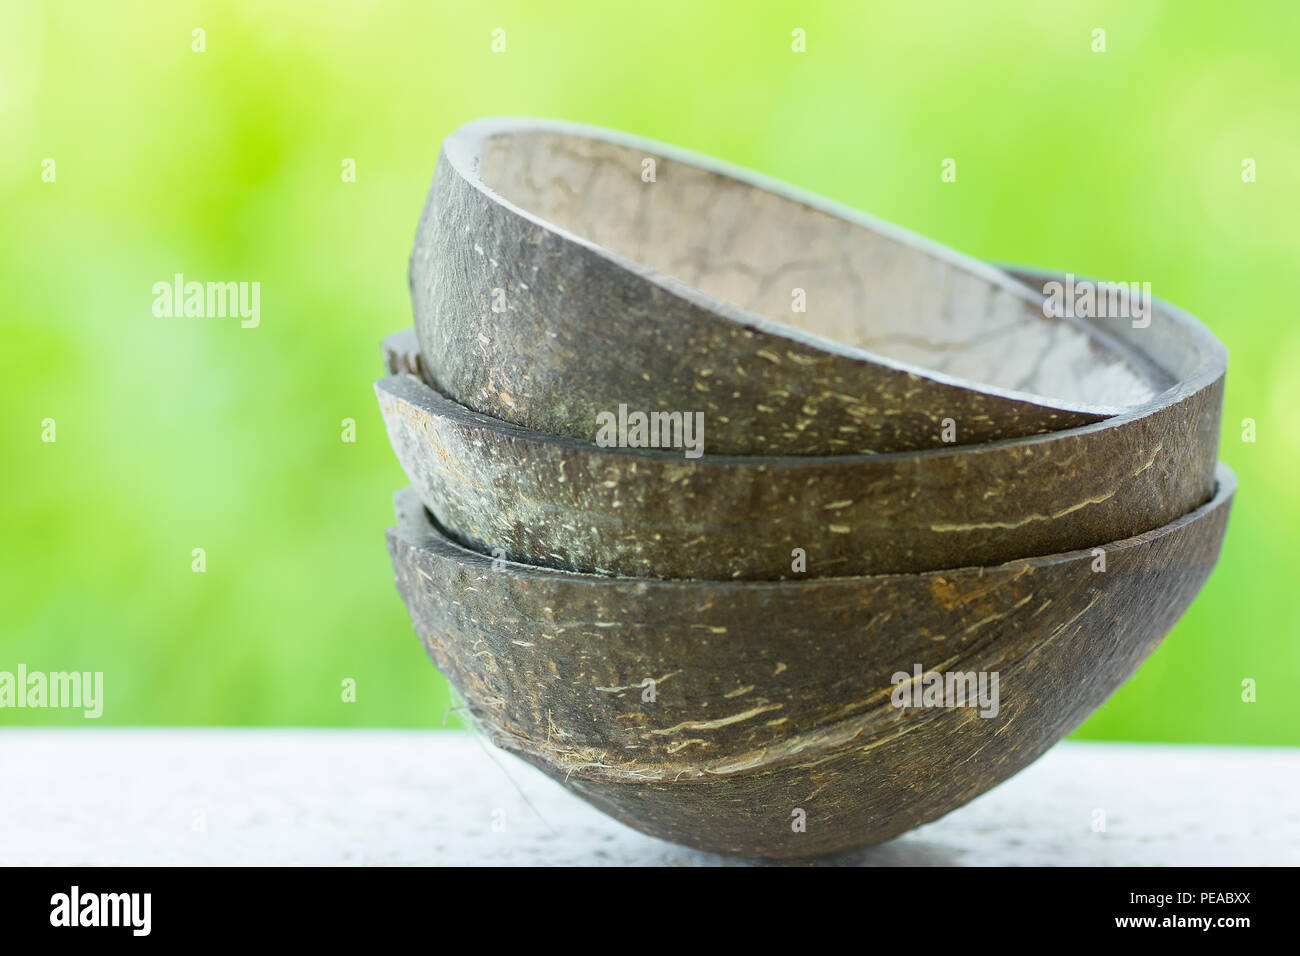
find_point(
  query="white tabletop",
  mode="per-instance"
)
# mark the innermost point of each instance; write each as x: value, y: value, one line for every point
x: 233, y: 797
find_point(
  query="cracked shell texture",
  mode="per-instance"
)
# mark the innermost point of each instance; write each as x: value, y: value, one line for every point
x: 550, y: 282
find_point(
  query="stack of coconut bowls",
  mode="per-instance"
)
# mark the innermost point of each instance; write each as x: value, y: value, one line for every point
x: 763, y: 526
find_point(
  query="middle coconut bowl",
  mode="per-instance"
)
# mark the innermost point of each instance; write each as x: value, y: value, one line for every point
x: 556, y: 502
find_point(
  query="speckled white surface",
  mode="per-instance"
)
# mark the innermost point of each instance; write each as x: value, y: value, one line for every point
x: 233, y: 797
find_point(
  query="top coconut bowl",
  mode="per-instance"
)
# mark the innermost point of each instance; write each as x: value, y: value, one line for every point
x: 560, y: 271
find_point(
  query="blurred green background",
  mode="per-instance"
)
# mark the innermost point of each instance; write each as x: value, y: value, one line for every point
x: 175, y: 434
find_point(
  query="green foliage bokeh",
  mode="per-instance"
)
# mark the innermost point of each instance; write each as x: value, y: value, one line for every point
x: 174, y: 434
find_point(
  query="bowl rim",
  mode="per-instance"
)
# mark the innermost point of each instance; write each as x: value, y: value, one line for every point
x: 416, y: 526
x: 462, y: 151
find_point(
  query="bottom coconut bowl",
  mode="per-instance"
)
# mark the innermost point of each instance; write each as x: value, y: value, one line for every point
x: 794, y: 718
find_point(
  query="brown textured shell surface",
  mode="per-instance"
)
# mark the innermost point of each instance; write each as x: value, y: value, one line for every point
x: 771, y: 699
x: 552, y: 501
x: 909, y: 480
x: 552, y: 280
